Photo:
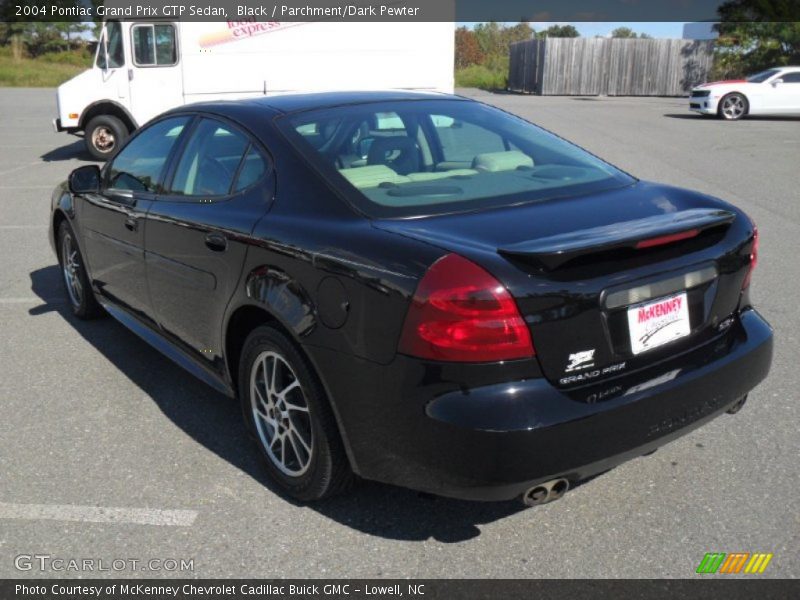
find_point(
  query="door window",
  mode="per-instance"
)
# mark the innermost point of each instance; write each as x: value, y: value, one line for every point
x: 111, y: 47
x: 210, y: 161
x: 791, y: 77
x: 140, y: 164
x: 252, y: 169
x: 154, y: 45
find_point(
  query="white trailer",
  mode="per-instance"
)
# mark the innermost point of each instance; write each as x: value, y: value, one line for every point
x: 143, y: 68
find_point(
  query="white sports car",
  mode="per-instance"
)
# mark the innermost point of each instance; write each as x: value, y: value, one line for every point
x: 771, y: 92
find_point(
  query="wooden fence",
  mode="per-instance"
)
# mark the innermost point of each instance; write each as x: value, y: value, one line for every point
x: 608, y: 66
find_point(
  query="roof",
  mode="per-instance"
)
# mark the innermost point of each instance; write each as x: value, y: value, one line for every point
x: 299, y: 102
x: 290, y: 103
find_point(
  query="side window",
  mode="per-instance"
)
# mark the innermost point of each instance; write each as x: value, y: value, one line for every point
x: 210, y: 160
x: 111, y: 42
x: 138, y: 167
x: 252, y: 169
x: 462, y: 141
x: 791, y: 77
x: 154, y: 45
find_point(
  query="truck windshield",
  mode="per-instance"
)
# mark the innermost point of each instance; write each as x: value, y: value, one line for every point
x: 423, y: 157
x: 111, y: 42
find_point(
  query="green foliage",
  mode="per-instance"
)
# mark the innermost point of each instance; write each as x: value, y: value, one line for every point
x: 482, y: 53
x: 33, y: 35
x: 48, y: 70
x: 755, y: 35
x: 482, y: 77
x: 628, y: 33
x: 559, y: 31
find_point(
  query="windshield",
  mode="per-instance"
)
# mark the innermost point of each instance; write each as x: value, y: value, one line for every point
x: 422, y: 157
x: 763, y: 76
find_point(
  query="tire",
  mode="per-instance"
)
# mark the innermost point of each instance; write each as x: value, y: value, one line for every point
x: 73, y: 274
x: 733, y: 107
x: 104, y: 134
x: 289, y: 416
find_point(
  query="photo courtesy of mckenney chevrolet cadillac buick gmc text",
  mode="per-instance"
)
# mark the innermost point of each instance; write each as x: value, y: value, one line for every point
x: 418, y: 289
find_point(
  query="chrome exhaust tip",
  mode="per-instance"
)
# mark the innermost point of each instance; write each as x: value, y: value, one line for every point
x: 545, y: 492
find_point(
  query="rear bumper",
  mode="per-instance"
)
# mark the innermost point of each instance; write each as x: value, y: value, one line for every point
x: 493, y: 442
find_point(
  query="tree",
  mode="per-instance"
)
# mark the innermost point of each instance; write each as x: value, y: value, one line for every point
x: 623, y: 32
x: 559, y: 31
x: 756, y: 35
x: 468, y: 51
x: 37, y: 36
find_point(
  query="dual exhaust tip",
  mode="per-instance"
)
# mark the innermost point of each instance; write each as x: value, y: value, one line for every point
x: 545, y: 492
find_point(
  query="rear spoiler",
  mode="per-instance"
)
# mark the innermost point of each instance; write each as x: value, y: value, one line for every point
x: 554, y: 251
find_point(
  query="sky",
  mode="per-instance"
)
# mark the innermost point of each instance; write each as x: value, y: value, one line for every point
x: 591, y: 29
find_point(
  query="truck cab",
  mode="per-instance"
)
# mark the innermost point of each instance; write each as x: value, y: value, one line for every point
x: 136, y: 74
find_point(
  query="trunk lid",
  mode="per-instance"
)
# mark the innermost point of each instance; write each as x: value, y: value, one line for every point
x: 577, y: 266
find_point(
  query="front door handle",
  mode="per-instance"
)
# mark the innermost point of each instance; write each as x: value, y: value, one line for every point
x: 216, y: 242
x: 131, y: 224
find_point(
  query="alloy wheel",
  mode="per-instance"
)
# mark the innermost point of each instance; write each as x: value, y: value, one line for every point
x: 280, y: 413
x: 733, y: 107
x: 71, y: 268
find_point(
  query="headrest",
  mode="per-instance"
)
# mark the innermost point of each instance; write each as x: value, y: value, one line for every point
x: 501, y: 161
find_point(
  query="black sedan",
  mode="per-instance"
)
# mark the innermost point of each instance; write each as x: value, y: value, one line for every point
x: 418, y: 289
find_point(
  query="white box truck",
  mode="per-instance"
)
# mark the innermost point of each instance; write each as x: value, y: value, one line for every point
x: 143, y: 68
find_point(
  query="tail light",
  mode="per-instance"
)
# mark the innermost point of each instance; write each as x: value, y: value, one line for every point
x: 753, y: 259
x: 461, y: 313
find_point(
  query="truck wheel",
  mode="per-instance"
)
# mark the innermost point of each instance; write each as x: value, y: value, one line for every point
x: 104, y: 134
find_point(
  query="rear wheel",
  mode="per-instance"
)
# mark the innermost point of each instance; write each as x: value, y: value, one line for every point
x: 103, y: 135
x: 76, y: 281
x: 733, y: 107
x: 287, y: 412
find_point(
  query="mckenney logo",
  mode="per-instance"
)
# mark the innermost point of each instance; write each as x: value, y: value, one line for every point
x: 673, y: 305
x: 737, y: 562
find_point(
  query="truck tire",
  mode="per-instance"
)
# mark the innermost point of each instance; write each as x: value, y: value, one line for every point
x: 104, y: 135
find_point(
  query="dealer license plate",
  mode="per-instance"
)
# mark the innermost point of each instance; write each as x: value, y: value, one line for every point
x: 659, y: 322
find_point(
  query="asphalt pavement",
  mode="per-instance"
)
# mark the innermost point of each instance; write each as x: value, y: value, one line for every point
x: 108, y: 451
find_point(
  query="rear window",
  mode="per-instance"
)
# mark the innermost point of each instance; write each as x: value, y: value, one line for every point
x: 422, y: 157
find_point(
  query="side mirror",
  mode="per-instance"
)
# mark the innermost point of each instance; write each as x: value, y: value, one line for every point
x: 85, y: 180
x: 777, y: 82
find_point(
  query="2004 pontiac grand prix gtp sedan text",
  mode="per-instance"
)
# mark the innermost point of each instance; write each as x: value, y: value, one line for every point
x: 418, y: 289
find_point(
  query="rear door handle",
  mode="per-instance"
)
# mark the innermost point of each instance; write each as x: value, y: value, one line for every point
x: 131, y: 224
x: 216, y: 242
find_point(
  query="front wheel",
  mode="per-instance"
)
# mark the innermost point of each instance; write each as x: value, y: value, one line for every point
x: 76, y: 281
x: 733, y: 107
x: 287, y: 411
x: 103, y: 135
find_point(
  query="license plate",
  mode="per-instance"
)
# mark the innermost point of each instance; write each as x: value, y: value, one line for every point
x: 659, y: 322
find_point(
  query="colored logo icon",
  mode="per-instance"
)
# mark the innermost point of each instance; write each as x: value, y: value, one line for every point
x: 736, y: 562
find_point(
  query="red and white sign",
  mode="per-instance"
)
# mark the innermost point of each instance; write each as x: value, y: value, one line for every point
x: 657, y: 323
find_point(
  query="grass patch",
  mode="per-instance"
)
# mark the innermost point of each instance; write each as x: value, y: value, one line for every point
x: 48, y: 70
x: 483, y: 77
